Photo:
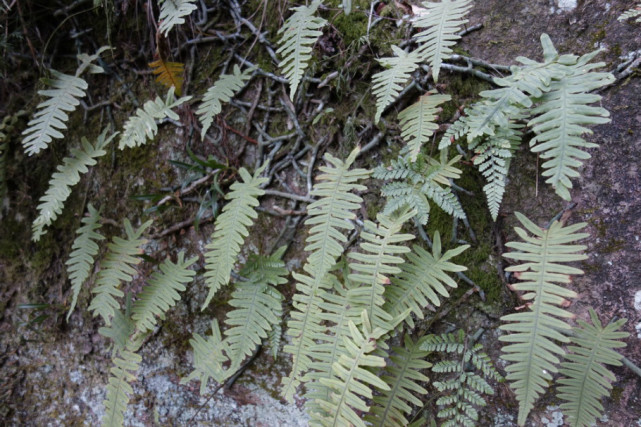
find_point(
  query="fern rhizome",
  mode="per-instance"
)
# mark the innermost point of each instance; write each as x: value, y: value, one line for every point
x: 357, y: 322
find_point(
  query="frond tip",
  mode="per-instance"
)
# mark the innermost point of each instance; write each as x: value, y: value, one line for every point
x: 173, y: 12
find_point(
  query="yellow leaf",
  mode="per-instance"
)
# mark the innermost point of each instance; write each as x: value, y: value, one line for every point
x: 169, y: 74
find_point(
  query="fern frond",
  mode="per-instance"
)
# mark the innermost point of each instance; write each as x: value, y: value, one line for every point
x: 173, y: 12
x: 168, y: 73
x: 143, y: 125
x: 67, y: 175
x: 402, y: 377
x: 631, y: 13
x: 441, y: 22
x: 328, y: 218
x: 123, y: 371
x: 417, y: 122
x: 389, y: 82
x: 209, y: 357
x: 115, y: 268
x: 161, y: 293
x: 297, y: 37
x: 223, y: 90
x: 533, y: 333
x: 561, y: 118
x: 52, y: 115
x: 119, y: 331
x: 85, y: 249
x: 256, y: 303
x: 586, y: 379
x: 375, y: 264
x: 351, y: 381
x: 423, y: 277
x: 231, y: 228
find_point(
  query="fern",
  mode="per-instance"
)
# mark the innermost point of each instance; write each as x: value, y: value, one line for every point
x: 422, y: 279
x: 372, y: 267
x: 209, y: 357
x: 143, y: 125
x: 173, y: 12
x: 223, y: 90
x: 256, y: 303
x: 402, y: 377
x: 120, y: 330
x: 533, y: 334
x: 417, y: 122
x: 351, y: 378
x: 67, y: 175
x: 388, y: 83
x: 85, y: 249
x: 441, y: 22
x: 634, y: 12
x: 169, y: 73
x: 162, y: 292
x: 464, y: 389
x: 297, y: 36
x: 116, y: 268
x: 328, y: 218
x: 561, y: 118
x: 586, y: 379
x: 123, y: 371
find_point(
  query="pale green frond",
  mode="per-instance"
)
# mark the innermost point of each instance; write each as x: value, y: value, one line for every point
x: 634, y: 12
x: 143, y: 125
x: 83, y: 254
x: 67, y: 175
x: 377, y: 261
x: 161, y: 292
x: 119, y: 331
x: 115, y: 268
x: 423, y: 278
x: 123, y: 372
x: 225, y: 88
x: 297, y: 38
x: 402, y: 376
x: 231, y: 228
x: 173, y: 12
x: 351, y: 380
x: 418, y: 122
x: 441, y: 22
x: 209, y: 357
x: 49, y: 120
x: 389, y: 82
x: 256, y: 303
x: 534, y: 333
x: 585, y: 378
x: 561, y: 119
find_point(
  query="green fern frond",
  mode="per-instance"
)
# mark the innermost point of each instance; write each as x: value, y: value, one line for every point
x: 119, y: 331
x: 375, y: 264
x: 631, y: 13
x: 256, y: 303
x: 123, y: 371
x: 417, y: 122
x: 402, y: 377
x: 168, y: 73
x: 423, y: 277
x: 209, y: 357
x: 389, y: 82
x: 561, y: 118
x: 351, y: 381
x: 223, y: 90
x: 586, y: 379
x: 161, y: 293
x: 533, y: 333
x: 173, y: 12
x: 52, y: 115
x: 297, y: 37
x: 143, y: 125
x: 441, y: 22
x: 116, y: 268
x: 328, y: 218
x: 67, y: 175
x: 231, y: 228
x: 85, y: 249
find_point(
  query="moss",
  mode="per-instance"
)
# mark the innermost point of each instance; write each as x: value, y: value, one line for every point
x: 351, y: 27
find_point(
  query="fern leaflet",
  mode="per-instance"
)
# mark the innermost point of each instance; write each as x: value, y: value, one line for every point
x: 168, y: 73
x: 586, y: 380
x: 209, y: 356
x: 123, y: 371
x: 441, y: 22
x: 532, y: 333
x: 223, y: 90
x: 67, y: 175
x: 230, y: 230
x: 297, y: 36
x: 82, y: 257
x: 173, y: 12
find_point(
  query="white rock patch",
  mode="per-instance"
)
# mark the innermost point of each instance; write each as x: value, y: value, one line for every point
x: 566, y: 5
